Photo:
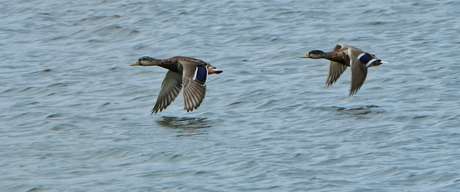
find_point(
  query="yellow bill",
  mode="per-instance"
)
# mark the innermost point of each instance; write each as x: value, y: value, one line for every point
x: 136, y: 64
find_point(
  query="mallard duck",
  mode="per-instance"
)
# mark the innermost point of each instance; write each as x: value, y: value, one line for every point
x: 189, y: 72
x: 345, y: 56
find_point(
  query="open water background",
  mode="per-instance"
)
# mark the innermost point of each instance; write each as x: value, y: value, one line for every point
x: 75, y: 117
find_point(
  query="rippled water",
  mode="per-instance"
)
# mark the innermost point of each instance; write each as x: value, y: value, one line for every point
x: 75, y: 117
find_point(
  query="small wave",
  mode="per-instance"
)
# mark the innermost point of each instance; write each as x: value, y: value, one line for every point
x: 115, y: 30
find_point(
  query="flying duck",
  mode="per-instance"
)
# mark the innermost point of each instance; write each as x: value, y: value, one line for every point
x: 183, y: 71
x: 345, y: 56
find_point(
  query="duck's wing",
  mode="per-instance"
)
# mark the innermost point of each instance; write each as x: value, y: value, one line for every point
x: 358, y: 68
x: 170, y: 88
x: 194, y: 80
x: 335, y: 69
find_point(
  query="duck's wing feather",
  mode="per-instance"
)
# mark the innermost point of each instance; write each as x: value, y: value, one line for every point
x: 170, y: 88
x: 338, y: 47
x: 194, y: 80
x: 358, y: 69
x: 335, y: 70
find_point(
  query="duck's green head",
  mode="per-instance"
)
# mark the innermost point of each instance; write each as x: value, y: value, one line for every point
x: 314, y: 54
x: 145, y: 61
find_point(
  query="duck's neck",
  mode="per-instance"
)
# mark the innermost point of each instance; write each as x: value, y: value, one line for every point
x: 170, y: 64
x: 338, y: 57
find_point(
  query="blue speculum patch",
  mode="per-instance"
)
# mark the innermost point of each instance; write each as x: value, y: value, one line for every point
x: 365, y: 58
x: 201, y: 74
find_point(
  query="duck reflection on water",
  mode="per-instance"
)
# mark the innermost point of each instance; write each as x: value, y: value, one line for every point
x: 185, y: 123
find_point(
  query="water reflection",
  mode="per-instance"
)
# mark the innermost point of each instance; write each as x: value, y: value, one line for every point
x: 363, y: 110
x: 185, y: 124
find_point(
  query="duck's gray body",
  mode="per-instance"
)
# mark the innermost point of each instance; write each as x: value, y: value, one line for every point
x: 345, y: 56
x: 183, y: 71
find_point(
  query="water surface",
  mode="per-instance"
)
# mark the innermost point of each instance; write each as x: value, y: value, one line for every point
x: 75, y: 117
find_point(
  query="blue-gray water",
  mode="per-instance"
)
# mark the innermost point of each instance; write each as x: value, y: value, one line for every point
x: 76, y: 117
